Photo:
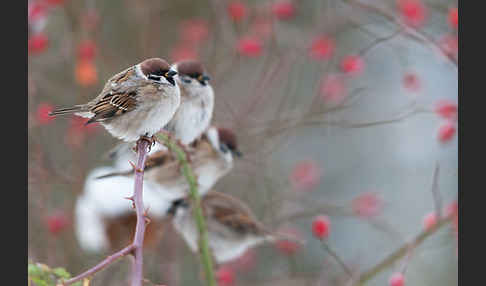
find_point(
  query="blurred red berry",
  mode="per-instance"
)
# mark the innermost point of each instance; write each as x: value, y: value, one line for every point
x: 447, y: 132
x: 322, y: 48
x: 352, y: 64
x: 86, y: 73
x: 54, y: 2
x: 36, y: 11
x: 452, y: 209
x: 42, y: 114
x: 182, y: 52
x: 57, y: 222
x: 87, y: 50
x: 413, y: 12
x: 237, y: 11
x: 446, y: 109
x: 225, y: 276
x: 321, y: 227
x: 367, y: 205
x: 411, y: 82
x: 453, y: 17
x: 430, y: 220
x: 333, y: 89
x: 194, y: 31
x: 288, y: 247
x: 283, y: 10
x: 249, y: 47
x: 396, y: 279
x: 37, y: 43
x: 305, y: 175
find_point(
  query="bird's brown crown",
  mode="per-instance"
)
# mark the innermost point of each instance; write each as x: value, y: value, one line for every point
x: 154, y: 66
x: 190, y: 68
x: 227, y: 137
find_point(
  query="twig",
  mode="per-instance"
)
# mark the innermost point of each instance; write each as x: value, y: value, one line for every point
x: 402, y: 251
x: 206, y: 256
x: 136, y: 247
x: 337, y: 258
x: 435, y: 192
x: 137, y: 273
x: 107, y: 261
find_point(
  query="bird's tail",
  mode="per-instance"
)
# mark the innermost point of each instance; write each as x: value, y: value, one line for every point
x: 68, y: 110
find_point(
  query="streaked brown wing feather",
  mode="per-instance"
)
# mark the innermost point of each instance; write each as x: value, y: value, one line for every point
x: 113, y: 104
x: 231, y: 212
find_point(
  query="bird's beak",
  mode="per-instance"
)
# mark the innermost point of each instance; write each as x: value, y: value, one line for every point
x: 237, y: 153
x: 170, y: 76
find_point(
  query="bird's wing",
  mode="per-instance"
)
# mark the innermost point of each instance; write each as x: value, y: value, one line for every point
x: 113, y: 104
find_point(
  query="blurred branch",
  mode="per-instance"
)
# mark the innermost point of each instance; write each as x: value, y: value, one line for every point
x: 337, y: 258
x: 410, y: 31
x: 198, y: 214
x: 402, y: 251
x: 435, y: 192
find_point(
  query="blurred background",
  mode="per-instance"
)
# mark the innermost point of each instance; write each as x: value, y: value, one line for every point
x: 342, y: 108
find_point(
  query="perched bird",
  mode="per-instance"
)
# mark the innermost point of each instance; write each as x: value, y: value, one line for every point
x: 137, y: 102
x: 197, y: 102
x: 231, y: 226
x: 211, y: 159
x: 105, y: 220
x: 194, y: 114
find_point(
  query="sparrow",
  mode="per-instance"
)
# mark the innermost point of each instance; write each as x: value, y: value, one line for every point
x: 231, y: 226
x: 104, y: 219
x: 194, y: 114
x: 211, y: 159
x: 134, y: 103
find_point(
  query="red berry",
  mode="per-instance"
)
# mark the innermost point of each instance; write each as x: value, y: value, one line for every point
x: 283, y: 10
x: 57, y: 222
x: 352, y: 64
x: 446, y: 109
x: 305, y: 175
x: 413, y: 12
x: 286, y: 246
x: 322, y: 48
x: 36, y: 11
x: 411, y: 82
x: 452, y: 209
x: 321, y: 227
x: 237, y: 11
x: 37, y: 43
x: 396, y: 279
x: 367, y: 205
x: 446, y: 132
x: 87, y: 50
x: 430, y: 220
x: 453, y: 17
x: 225, y: 276
x: 86, y: 73
x: 42, y: 114
x: 249, y: 46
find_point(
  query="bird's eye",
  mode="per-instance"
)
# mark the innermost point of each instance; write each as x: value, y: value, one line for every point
x: 154, y: 77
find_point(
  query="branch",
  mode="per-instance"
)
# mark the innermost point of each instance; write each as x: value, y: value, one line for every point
x: 196, y: 200
x: 136, y: 247
x: 137, y: 269
x: 107, y: 261
x: 402, y: 251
